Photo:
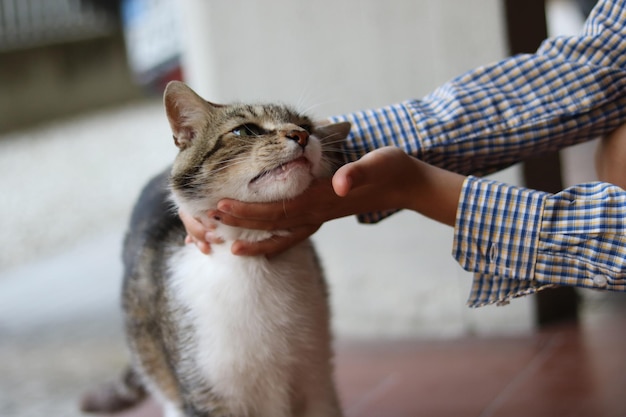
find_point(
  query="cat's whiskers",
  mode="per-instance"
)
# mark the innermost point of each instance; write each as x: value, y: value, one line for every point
x: 351, y: 153
x: 172, y: 293
x: 304, y: 97
x: 308, y: 94
x: 330, y: 147
x: 285, y: 207
x: 314, y: 106
x: 229, y: 164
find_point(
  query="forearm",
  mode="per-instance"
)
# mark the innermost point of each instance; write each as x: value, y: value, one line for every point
x: 436, y: 192
x: 573, y: 89
x: 516, y: 240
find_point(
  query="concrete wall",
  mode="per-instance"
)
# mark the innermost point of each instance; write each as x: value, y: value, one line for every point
x: 336, y: 56
x: 395, y: 279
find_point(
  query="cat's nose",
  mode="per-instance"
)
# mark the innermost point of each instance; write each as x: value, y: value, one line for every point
x: 300, y: 136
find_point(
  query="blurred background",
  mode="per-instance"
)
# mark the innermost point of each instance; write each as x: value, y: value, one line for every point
x: 82, y: 129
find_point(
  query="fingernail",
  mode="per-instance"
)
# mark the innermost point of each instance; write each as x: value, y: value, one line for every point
x: 208, y: 223
x: 204, y: 248
x: 212, y: 238
x: 223, y: 206
x: 236, y: 249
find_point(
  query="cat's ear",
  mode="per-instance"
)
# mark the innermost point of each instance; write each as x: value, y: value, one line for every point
x: 331, y: 133
x: 186, y: 111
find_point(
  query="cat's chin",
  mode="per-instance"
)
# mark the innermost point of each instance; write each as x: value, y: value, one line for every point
x: 281, y: 172
x: 285, y: 181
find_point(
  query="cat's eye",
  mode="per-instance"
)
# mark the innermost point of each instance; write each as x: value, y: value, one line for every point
x: 249, y: 129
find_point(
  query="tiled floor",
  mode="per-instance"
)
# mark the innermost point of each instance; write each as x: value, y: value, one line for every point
x: 563, y: 371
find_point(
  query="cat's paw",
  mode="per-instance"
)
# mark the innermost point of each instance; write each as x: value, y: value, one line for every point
x: 109, y: 398
x: 115, y: 396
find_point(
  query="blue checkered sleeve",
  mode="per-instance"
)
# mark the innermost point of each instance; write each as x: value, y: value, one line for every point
x: 572, y: 90
x: 518, y: 241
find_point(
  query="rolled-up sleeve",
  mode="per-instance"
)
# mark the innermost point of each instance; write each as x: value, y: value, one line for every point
x: 572, y: 90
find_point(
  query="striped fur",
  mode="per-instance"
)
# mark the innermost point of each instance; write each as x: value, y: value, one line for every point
x: 221, y: 335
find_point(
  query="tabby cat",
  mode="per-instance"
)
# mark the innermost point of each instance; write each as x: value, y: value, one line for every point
x: 223, y: 335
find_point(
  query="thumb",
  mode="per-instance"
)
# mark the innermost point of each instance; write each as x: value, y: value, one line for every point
x: 373, y: 167
x: 347, y: 178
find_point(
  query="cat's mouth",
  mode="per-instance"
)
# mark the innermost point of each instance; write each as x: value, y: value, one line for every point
x: 281, y: 172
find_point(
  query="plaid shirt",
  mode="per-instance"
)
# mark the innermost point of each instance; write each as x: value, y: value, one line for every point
x: 516, y: 240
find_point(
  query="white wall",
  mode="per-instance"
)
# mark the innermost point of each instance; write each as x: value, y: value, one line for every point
x: 395, y: 279
x: 336, y: 55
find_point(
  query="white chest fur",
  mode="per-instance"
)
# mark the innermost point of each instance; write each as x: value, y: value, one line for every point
x: 253, y: 322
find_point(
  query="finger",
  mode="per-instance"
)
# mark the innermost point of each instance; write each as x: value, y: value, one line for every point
x: 342, y: 183
x: 208, y: 223
x: 277, y: 211
x: 231, y: 220
x: 212, y: 238
x: 275, y: 245
x: 203, y: 246
x: 350, y: 177
x: 264, y: 216
x: 193, y: 227
x: 251, y: 211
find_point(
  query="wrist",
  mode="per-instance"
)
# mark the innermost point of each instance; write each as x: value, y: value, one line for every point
x: 436, y: 192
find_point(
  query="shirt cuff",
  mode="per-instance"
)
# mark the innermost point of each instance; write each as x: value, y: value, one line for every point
x: 582, y: 239
x: 496, y: 236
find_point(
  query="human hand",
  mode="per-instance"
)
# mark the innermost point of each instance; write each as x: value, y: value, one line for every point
x: 198, y: 233
x: 384, y: 179
x: 300, y: 217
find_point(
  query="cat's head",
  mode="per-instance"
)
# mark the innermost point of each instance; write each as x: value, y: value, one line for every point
x: 254, y: 153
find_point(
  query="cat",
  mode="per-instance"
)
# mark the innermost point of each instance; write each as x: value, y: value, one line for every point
x: 224, y: 335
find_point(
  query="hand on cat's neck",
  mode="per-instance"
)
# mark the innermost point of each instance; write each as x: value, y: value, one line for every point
x: 206, y: 232
x: 386, y: 178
